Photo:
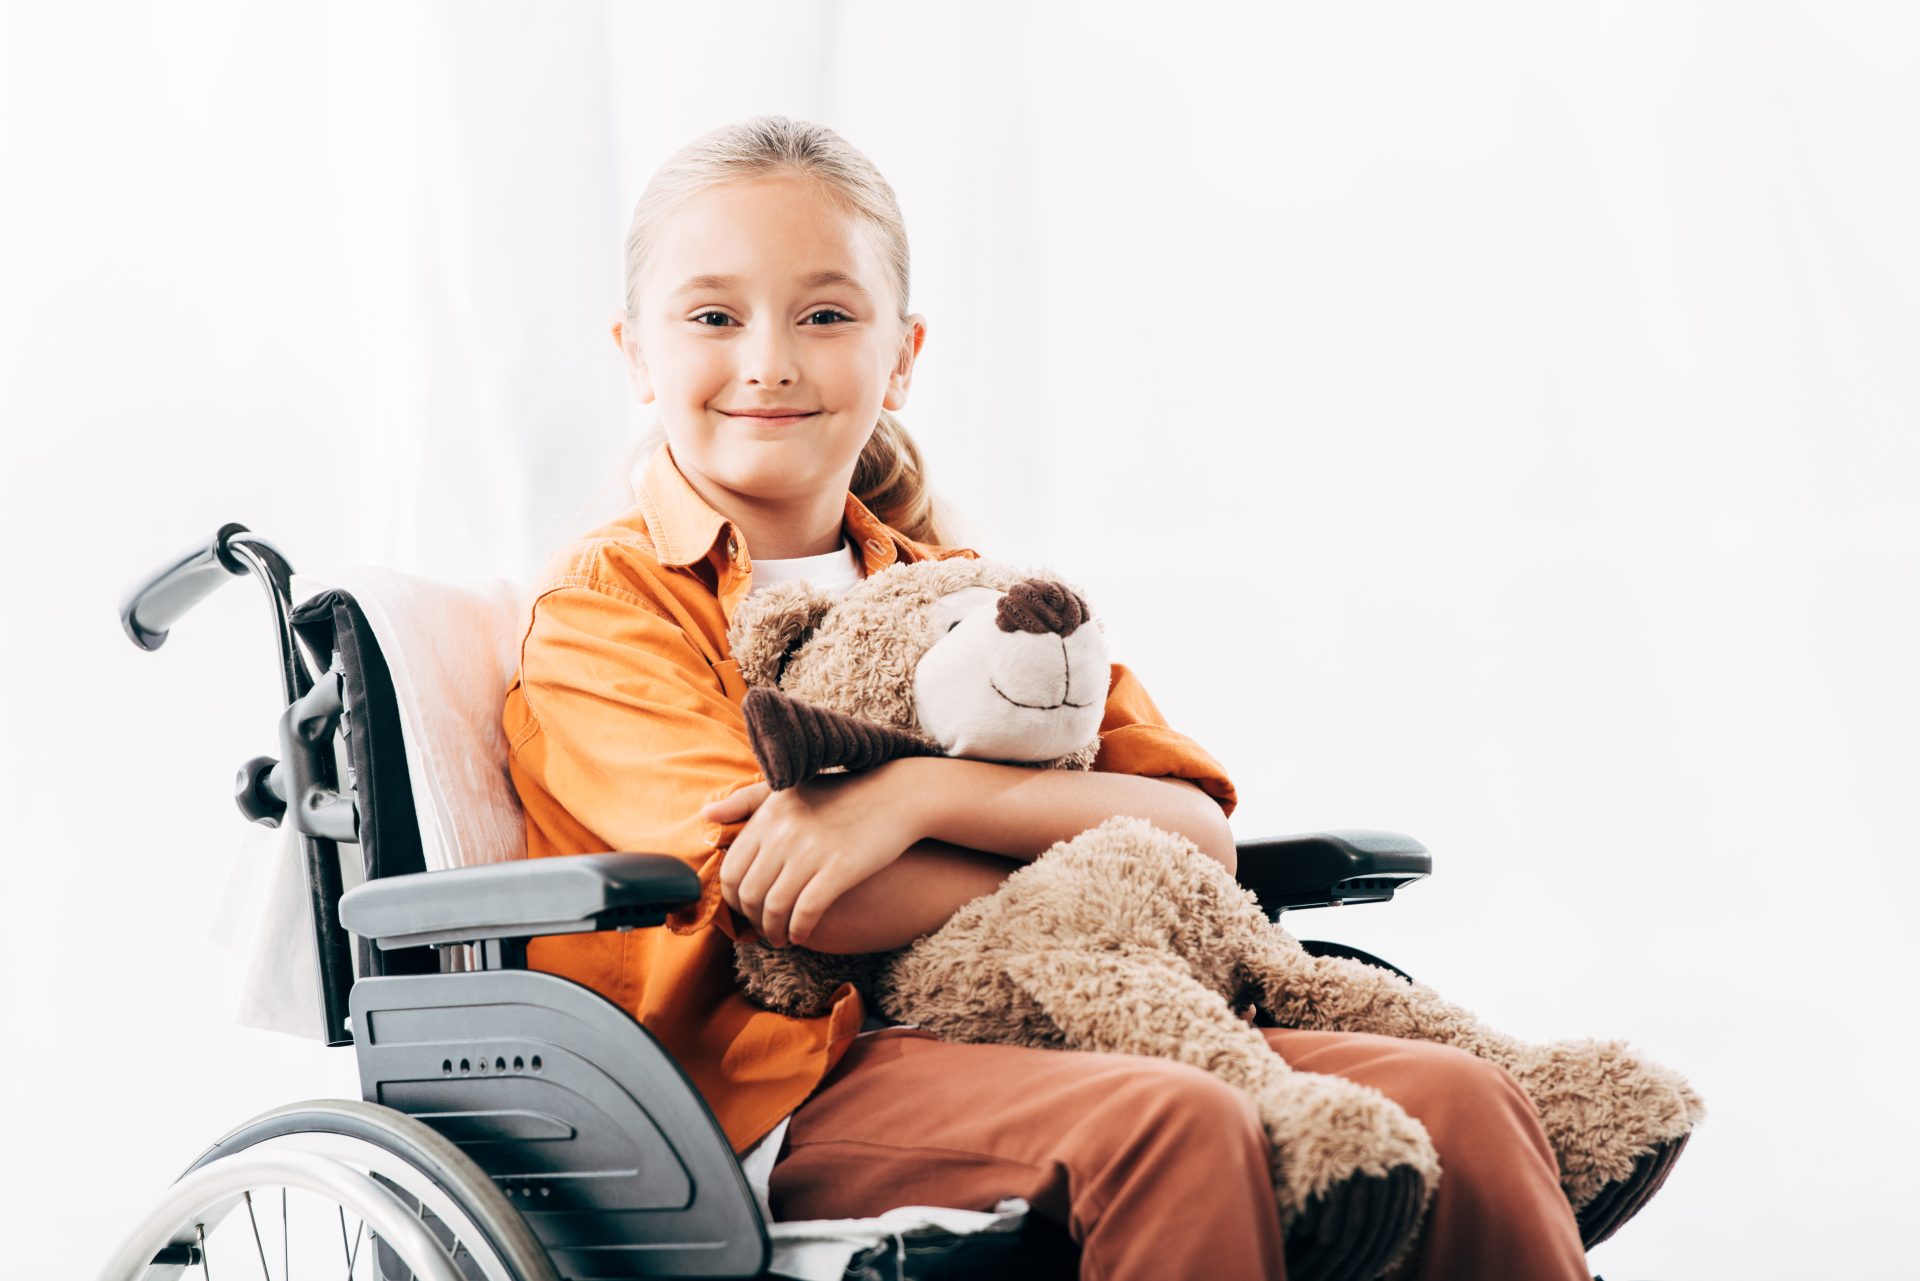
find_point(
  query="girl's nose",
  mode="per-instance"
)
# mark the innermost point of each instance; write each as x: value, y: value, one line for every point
x: 769, y: 359
x: 1041, y: 605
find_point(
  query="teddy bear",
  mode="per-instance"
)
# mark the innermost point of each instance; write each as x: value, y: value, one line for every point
x: 1126, y: 937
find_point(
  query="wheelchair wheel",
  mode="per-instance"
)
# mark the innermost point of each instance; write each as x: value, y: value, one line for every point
x: 331, y: 1188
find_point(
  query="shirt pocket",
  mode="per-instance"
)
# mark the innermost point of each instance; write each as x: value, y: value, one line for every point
x: 731, y: 682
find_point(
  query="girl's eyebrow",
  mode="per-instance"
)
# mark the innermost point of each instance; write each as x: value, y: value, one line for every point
x: 814, y: 280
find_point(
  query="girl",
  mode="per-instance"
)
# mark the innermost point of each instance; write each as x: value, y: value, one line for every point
x: 766, y: 319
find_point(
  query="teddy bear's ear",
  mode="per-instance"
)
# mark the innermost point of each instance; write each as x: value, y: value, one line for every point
x: 769, y: 626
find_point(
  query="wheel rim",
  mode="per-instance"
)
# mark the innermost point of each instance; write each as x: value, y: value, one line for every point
x: 205, y: 1198
x: 471, y: 1225
x: 467, y: 1235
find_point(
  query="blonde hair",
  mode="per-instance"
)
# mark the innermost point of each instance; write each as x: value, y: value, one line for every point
x: 890, y: 477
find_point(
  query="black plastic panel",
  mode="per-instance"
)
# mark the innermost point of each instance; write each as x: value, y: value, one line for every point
x: 1324, y: 869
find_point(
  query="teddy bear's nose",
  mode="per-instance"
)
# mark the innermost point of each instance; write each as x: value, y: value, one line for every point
x: 1041, y: 605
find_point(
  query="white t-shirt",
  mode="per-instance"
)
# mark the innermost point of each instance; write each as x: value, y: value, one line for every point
x: 831, y: 572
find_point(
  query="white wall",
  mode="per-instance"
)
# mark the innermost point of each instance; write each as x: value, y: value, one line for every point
x: 1491, y: 422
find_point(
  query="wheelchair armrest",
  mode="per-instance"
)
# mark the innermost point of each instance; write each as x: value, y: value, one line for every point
x: 1326, y: 869
x: 565, y: 894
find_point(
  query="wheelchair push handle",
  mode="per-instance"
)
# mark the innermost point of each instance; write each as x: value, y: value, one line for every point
x: 154, y: 604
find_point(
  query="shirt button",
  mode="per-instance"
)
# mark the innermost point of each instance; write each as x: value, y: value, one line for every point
x: 733, y: 547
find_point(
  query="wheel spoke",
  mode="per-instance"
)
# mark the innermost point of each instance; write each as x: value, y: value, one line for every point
x: 206, y: 1269
x: 264, y: 1271
x: 286, y: 1247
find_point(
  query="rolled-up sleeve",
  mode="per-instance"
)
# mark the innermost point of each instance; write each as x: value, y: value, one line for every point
x: 1136, y: 739
x: 627, y: 731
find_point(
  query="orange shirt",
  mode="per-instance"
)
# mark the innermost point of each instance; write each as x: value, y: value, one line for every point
x: 624, y: 719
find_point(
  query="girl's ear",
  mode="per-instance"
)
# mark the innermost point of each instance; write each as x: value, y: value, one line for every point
x: 770, y: 626
x: 912, y: 338
x: 638, y: 376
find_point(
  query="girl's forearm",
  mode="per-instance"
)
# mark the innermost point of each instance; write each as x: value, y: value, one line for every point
x: 908, y: 898
x: 1018, y: 811
x: 984, y: 821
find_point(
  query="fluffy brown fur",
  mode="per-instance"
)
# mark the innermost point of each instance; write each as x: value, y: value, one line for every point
x: 1126, y: 938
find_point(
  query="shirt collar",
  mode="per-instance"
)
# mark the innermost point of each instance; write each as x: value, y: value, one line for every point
x: 685, y: 528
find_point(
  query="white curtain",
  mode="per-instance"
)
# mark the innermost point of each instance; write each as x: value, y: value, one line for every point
x: 1495, y: 422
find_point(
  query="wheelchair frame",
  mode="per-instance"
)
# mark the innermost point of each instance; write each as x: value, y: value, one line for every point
x: 601, y: 1146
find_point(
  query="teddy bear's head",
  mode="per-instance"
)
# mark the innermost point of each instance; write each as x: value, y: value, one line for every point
x: 956, y: 657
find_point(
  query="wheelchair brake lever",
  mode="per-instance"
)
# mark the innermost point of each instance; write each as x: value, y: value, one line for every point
x: 317, y: 807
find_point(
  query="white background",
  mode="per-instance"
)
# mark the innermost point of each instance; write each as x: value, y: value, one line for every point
x: 1491, y: 422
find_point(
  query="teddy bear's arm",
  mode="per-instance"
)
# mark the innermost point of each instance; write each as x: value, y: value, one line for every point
x: 794, y: 740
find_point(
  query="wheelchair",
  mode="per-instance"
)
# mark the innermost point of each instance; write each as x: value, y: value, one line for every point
x: 513, y: 1125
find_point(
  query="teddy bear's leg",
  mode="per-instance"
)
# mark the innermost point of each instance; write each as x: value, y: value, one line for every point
x: 1616, y: 1121
x: 1604, y: 1109
x: 1353, y: 1173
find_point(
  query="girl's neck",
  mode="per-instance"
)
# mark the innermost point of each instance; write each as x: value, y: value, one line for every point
x: 779, y: 529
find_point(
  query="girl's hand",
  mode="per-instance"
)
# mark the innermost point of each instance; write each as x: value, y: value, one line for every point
x: 805, y: 846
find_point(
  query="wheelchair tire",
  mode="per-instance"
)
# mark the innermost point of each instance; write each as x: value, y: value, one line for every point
x: 1321, y: 947
x: 441, y: 1218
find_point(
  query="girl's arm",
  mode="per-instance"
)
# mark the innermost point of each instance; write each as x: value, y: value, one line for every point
x: 1019, y: 811
x: 982, y: 820
x: 803, y: 851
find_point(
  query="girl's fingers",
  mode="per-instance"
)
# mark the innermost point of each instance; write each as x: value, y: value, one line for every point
x: 814, y: 900
x: 734, y: 868
x: 737, y: 804
x: 754, y: 885
x: 774, y: 913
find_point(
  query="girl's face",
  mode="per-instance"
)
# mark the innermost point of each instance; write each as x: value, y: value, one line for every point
x: 764, y: 297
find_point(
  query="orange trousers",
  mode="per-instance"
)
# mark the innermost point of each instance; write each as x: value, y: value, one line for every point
x: 1159, y: 1169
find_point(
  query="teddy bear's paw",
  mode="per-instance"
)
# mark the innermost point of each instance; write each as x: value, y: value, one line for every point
x: 1326, y: 1130
x: 1353, y: 1174
x: 1620, y: 1200
x: 1607, y: 1112
x: 1358, y: 1229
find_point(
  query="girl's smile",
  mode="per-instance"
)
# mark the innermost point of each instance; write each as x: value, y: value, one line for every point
x: 757, y: 418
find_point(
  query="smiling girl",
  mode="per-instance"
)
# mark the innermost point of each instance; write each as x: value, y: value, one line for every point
x: 766, y: 320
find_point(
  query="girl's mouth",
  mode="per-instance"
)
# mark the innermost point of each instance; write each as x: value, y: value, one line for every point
x: 757, y: 420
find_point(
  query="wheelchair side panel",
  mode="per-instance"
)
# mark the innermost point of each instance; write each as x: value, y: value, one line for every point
x: 586, y: 1123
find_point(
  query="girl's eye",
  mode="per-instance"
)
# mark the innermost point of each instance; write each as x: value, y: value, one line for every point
x: 727, y: 320
x: 955, y: 623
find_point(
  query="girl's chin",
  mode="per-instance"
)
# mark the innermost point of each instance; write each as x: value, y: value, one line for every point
x: 765, y: 468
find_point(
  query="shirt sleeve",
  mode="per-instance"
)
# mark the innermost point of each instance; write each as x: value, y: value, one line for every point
x: 630, y: 731
x: 1136, y: 739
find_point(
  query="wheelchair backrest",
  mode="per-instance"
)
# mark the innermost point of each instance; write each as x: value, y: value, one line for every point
x: 450, y: 650
x: 424, y: 668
